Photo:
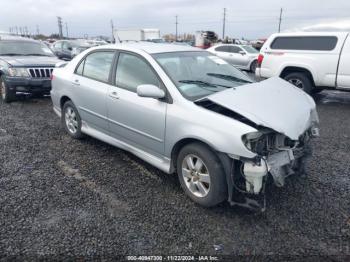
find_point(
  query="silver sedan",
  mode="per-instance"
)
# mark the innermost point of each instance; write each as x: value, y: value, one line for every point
x: 185, y: 110
x: 241, y: 56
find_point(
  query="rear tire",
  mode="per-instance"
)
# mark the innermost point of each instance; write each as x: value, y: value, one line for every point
x: 7, y: 95
x: 253, y: 66
x: 71, y: 120
x: 201, y: 175
x: 300, y: 80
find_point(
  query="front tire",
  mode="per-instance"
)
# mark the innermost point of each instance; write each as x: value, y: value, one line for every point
x: 7, y: 95
x: 300, y: 80
x: 71, y: 120
x: 201, y: 175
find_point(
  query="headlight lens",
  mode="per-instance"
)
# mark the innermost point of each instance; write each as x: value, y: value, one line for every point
x: 19, y: 72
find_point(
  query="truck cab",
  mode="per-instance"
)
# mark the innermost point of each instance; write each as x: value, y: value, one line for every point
x: 311, y: 61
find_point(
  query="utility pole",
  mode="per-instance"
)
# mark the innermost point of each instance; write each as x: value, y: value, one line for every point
x: 26, y: 31
x: 16, y: 30
x: 66, y: 30
x: 37, y: 30
x: 59, y: 21
x: 280, y: 21
x: 224, y: 25
x: 176, y: 23
x: 112, y: 27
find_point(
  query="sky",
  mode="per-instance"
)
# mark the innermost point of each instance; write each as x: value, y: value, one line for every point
x: 250, y: 19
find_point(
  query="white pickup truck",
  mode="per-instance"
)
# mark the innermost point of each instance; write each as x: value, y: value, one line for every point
x: 310, y: 60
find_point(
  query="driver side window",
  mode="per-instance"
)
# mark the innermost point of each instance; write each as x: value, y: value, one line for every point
x: 133, y: 71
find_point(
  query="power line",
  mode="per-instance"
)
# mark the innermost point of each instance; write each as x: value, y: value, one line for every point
x: 280, y: 21
x: 176, y: 23
x: 224, y: 25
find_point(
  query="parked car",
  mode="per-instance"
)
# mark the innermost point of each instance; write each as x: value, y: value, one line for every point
x: 241, y: 56
x: 310, y: 61
x: 184, y: 110
x: 67, y: 49
x: 25, y: 66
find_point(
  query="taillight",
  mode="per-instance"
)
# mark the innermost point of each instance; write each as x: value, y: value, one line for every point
x: 260, y: 60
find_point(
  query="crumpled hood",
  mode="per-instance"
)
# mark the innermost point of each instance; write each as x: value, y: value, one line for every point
x: 273, y: 103
x: 30, y: 60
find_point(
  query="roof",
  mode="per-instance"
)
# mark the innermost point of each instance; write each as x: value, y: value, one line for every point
x: 314, y: 33
x: 152, y: 48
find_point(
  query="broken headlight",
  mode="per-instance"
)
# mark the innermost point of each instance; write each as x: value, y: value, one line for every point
x: 265, y: 142
x: 254, y: 141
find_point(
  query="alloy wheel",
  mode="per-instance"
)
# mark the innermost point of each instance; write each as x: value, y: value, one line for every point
x: 71, y: 120
x: 196, y: 175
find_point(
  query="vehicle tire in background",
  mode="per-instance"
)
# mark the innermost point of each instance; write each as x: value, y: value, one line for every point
x: 300, y: 80
x: 201, y: 175
x: 71, y: 120
x: 7, y: 95
x: 253, y: 66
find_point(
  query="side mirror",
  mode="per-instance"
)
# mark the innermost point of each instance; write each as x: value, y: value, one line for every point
x: 150, y: 91
x: 70, y: 48
x: 242, y: 52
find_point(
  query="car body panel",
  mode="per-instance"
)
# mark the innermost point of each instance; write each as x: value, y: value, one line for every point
x: 268, y: 103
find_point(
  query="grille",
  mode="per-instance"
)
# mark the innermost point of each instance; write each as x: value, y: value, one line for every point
x: 40, y: 72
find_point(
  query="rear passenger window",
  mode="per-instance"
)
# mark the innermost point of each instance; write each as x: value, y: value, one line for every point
x: 235, y: 49
x: 97, y: 65
x: 133, y: 71
x: 316, y: 43
x: 222, y: 49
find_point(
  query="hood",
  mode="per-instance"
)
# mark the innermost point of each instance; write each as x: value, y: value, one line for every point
x: 26, y: 61
x: 273, y: 103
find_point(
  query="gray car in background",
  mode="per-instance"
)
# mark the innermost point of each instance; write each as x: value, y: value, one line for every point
x: 241, y: 56
x: 185, y: 110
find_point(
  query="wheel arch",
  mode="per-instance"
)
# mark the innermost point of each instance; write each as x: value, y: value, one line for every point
x: 296, y: 69
x: 182, y: 143
x: 63, y: 100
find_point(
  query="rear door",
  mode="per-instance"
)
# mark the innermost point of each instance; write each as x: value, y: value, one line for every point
x: 138, y: 121
x: 90, y: 84
x: 343, y: 78
x: 224, y: 53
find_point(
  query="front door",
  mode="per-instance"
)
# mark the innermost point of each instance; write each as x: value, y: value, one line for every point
x: 138, y: 121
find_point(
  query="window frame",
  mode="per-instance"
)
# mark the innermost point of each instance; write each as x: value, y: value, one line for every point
x: 168, y: 99
x: 305, y: 36
x: 109, y: 81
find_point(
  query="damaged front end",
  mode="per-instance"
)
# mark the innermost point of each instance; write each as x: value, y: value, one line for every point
x: 277, y: 157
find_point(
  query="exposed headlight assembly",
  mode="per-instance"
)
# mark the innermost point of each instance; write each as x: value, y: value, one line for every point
x: 251, y: 141
x: 18, y: 72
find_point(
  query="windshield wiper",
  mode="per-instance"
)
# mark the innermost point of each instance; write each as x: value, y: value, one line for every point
x: 202, y: 83
x: 229, y: 77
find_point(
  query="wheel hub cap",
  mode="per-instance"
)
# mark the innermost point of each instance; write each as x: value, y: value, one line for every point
x: 196, y: 175
x: 71, y: 120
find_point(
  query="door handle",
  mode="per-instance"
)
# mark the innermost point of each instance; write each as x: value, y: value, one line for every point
x: 114, y: 95
x: 76, y: 82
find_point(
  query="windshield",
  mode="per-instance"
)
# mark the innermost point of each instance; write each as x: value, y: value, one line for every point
x: 199, y: 74
x: 250, y: 49
x: 24, y: 48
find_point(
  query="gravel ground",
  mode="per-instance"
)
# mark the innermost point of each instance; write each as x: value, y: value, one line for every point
x: 63, y: 197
